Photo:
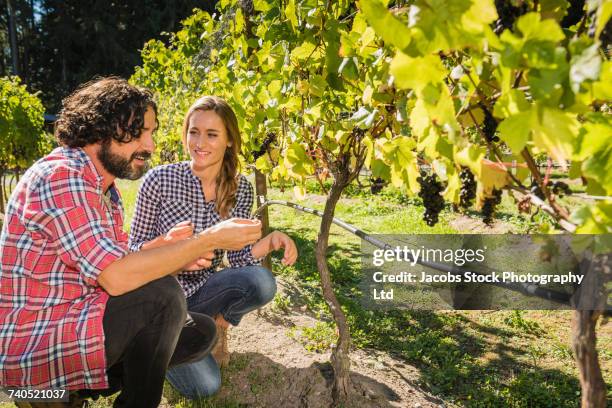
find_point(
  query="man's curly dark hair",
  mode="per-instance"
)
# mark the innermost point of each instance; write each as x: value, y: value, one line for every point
x: 102, y: 109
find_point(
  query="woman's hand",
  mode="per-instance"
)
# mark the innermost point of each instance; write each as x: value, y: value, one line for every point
x: 205, y: 261
x: 273, y: 242
x: 184, y: 230
x: 280, y: 240
x: 234, y: 234
x: 180, y: 231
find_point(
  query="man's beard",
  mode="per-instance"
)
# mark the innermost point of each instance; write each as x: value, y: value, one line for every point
x: 121, y: 167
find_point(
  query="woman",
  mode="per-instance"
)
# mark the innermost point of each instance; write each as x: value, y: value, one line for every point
x: 176, y: 200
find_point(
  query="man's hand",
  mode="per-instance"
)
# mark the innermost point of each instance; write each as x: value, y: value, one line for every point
x: 234, y: 234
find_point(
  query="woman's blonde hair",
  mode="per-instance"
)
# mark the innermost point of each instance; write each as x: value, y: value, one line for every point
x: 227, y: 180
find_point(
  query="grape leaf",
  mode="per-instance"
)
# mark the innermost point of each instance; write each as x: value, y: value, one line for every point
x: 515, y: 130
x: 391, y: 29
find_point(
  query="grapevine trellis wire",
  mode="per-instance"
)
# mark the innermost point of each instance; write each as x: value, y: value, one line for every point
x: 527, y: 289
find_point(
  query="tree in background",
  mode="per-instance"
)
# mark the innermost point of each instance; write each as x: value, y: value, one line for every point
x: 22, y: 138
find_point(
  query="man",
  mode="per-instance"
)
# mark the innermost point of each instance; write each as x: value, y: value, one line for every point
x: 77, y: 311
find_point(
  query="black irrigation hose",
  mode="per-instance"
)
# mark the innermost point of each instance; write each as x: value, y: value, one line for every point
x: 524, y: 288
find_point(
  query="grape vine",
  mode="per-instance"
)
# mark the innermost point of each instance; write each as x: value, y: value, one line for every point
x: 376, y: 185
x: 433, y: 202
x: 488, y: 206
x: 468, y: 188
x: 508, y: 13
x: 265, y: 146
x: 489, y: 125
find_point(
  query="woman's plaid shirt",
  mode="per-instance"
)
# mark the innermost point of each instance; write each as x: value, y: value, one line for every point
x: 170, y: 194
x: 58, y: 235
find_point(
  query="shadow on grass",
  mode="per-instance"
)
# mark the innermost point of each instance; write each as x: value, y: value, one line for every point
x: 447, y: 348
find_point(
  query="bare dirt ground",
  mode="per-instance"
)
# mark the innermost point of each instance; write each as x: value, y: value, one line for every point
x: 269, y: 368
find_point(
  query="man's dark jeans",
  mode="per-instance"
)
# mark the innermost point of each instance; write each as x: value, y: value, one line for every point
x: 147, y: 330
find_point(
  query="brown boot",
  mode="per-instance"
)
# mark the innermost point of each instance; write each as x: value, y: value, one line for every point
x: 221, y: 352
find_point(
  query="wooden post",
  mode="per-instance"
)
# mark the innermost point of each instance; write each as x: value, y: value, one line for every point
x: 590, y: 307
x: 248, y: 10
x: 261, y: 189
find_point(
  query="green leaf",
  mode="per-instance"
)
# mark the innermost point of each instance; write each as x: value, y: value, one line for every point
x: 263, y: 164
x: 391, y: 29
x: 515, y: 130
x: 603, y: 17
x: 554, y: 9
x: 602, y: 89
x: 348, y: 68
x: 416, y: 73
x: 367, y: 42
x: 274, y: 87
x: 369, y: 151
x: 303, y: 51
x: 317, y: 85
x: 332, y: 35
x: 534, y: 29
x: 471, y: 157
x: 575, y: 170
x: 554, y: 132
x: 534, y: 44
x: 593, y: 219
x: 366, y: 98
x: 261, y: 5
x: 380, y: 169
x: 594, y: 148
x: 448, y: 24
x: 239, y: 20
x: 549, y: 84
x: 510, y: 103
x: 398, y: 152
x: 453, y: 187
x: 400, y: 147
x: 595, y: 135
x: 419, y: 119
x: 297, y: 161
x: 290, y: 12
x: 598, y: 167
x: 492, y: 176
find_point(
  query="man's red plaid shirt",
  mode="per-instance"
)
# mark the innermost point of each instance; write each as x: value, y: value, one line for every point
x: 58, y: 235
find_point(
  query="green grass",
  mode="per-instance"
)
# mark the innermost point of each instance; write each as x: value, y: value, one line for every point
x: 129, y: 190
x: 318, y: 339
